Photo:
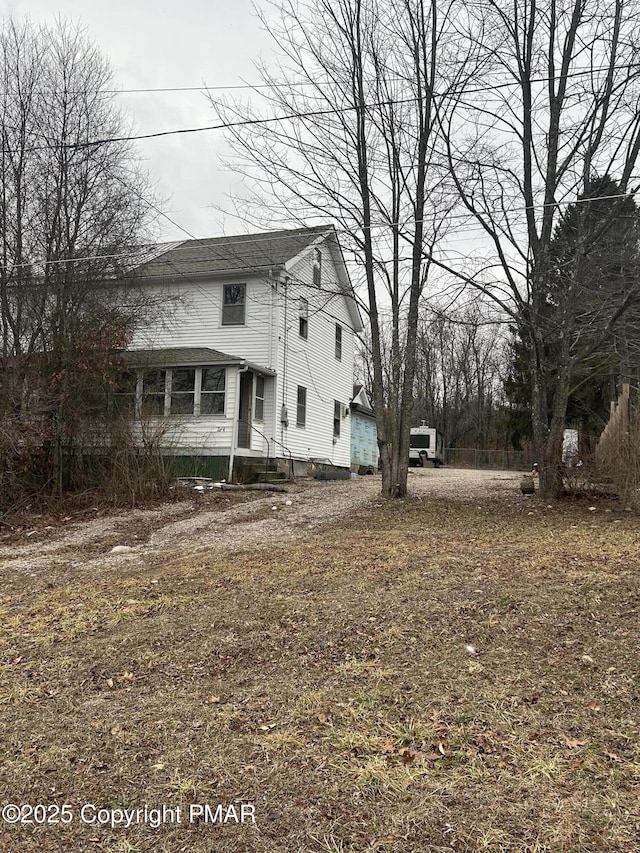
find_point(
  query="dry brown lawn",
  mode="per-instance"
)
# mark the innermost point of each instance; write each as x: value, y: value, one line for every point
x: 432, y: 675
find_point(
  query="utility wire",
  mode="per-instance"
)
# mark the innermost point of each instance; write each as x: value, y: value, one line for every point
x: 273, y: 85
x: 240, y: 240
x: 305, y: 113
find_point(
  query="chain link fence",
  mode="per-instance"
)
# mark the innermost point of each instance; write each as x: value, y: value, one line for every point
x: 472, y: 457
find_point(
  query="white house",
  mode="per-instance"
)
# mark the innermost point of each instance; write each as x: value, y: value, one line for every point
x: 253, y: 358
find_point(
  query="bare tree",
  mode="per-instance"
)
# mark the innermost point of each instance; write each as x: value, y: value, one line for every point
x: 358, y: 94
x: 69, y: 210
x: 460, y: 365
x: 556, y: 106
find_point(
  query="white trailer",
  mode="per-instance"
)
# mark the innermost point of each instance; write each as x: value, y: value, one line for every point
x: 426, y: 443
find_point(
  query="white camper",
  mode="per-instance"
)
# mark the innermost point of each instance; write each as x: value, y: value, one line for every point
x: 426, y: 443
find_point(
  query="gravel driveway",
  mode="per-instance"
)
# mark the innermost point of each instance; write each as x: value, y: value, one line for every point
x: 255, y: 524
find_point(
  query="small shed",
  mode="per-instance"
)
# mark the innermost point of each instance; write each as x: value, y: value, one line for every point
x: 364, y: 434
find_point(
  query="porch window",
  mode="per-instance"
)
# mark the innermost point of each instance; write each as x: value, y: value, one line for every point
x: 336, y: 418
x: 183, y: 391
x: 259, y: 405
x: 301, y: 409
x: 303, y: 312
x: 125, y: 393
x: 338, y: 341
x: 233, y: 305
x: 153, y: 389
x: 212, y: 391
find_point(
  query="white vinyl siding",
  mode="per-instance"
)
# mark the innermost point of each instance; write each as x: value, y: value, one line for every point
x: 193, y: 318
x: 312, y: 364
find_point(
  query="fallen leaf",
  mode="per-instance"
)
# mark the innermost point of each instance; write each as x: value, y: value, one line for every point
x: 126, y: 676
x: 572, y: 743
x: 408, y: 755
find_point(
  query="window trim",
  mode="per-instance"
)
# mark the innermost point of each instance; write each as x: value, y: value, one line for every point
x: 338, y: 342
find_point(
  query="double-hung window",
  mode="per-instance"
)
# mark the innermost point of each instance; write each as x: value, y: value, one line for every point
x: 317, y: 267
x: 183, y: 391
x: 258, y: 411
x: 337, y: 414
x: 303, y: 315
x: 338, y: 350
x: 233, y: 304
x: 125, y: 392
x: 301, y: 408
x: 212, y: 391
x: 153, y: 393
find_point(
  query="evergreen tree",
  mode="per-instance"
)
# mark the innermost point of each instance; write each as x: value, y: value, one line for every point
x: 594, y: 260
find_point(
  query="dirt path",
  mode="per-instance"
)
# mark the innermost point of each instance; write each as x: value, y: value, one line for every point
x: 218, y: 521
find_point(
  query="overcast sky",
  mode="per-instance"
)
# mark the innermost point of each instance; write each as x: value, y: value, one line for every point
x: 164, y: 44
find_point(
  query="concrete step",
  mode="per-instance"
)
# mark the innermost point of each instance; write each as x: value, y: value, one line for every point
x: 268, y: 476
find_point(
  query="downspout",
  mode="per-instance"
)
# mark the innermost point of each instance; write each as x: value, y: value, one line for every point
x: 236, y: 419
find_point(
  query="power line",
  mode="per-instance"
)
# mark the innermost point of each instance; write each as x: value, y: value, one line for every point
x: 239, y: 239
x: 301, y: 84
x: 305, y: 113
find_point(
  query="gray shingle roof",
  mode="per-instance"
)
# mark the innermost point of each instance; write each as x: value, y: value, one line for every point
x: 178, y: 357
x: 240, y: 253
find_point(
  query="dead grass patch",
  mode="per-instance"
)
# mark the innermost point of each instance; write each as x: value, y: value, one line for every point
x: 426, y: 676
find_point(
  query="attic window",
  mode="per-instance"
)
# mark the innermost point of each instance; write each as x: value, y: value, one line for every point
x: 317, y: 267
x: 233, y: 305
x: 303, y: 312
